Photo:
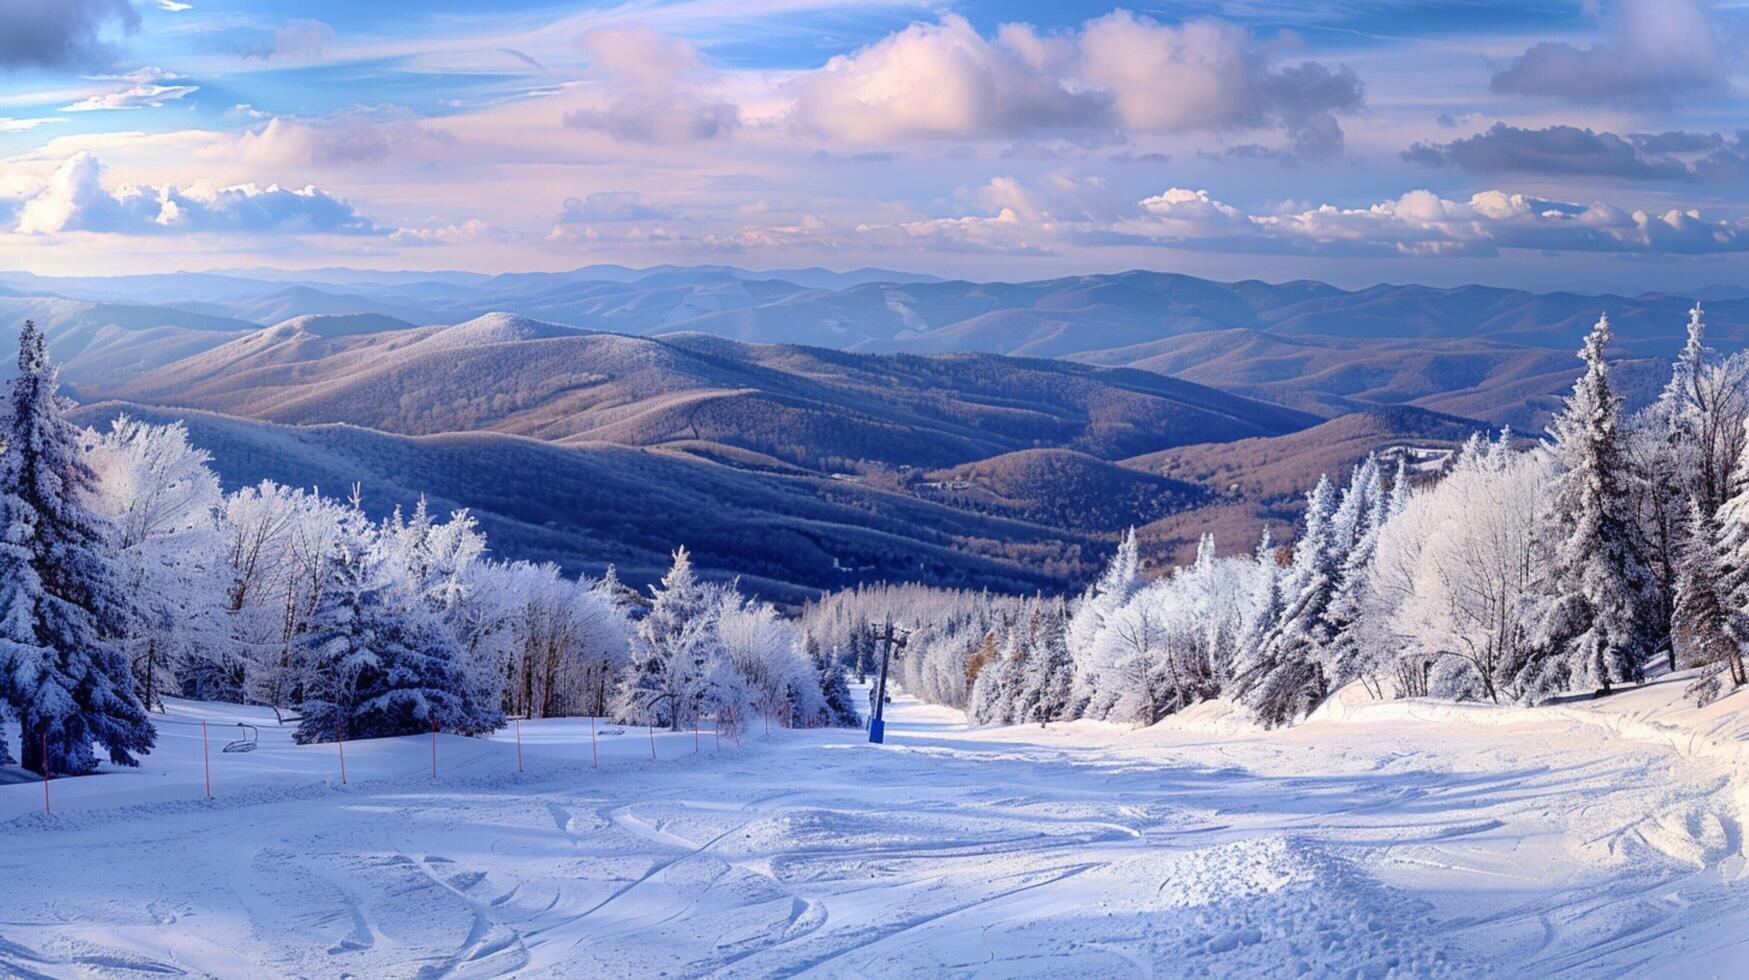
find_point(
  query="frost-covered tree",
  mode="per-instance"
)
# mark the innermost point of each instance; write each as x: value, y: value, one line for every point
x: 1596, y: 620
x: 1454, y: 576
x: 1109, y: 593
x: 163, y: 500
x: 838, y: 707
x: 1707, y: 632
x: 671, y: 651
x: 378, y: 662
x: 1282, y: 679
x: 63, y: 601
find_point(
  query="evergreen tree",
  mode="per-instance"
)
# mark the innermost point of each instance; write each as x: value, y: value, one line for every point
x: 1050, y: 670
x: 1283, y: 679
x: 1114, y: 587
x: 671, y: 651
x: 1596, y: 628
x: 63, y: 607
x: 1706, y: 633
x: 840, y: 708
x: 378, y: 663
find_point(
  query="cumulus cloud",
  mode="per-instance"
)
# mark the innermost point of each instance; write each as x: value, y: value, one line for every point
x: 607, y: 206
x: 1651, y: 52
x: 945, y: 80
x: 1422, y: 223
x: 1027, y: 219
x: 339, y: 140
x: 1119, y: 73
x: 76, y: 200
x: 649, y: 87
x: 62, y: 33
x: 1570, y: 151
x: 471, y: 230
x: 145, y: 88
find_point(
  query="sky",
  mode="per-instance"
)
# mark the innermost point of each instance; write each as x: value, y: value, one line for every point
x: 1577, y: 145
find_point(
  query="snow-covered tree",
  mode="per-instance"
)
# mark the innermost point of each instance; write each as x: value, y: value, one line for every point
x: 1283, y: 679
x: 1707, y: 632
x: 671, y: 651
x: 63, y: 601
x: 379, y: 663
x: 1596, y: 618
x: 163, y: 500
x: 1109, y: 593
x: 1454, y: 575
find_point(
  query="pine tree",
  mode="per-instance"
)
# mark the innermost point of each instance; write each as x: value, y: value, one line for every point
x: 1594, y: 628
x: 1366, y: 501
x: 1050, y: 671
x: 63, y: 608
x: 1705, y: 633
x: 671, y: 651
x: 840, y: 705
x: 378, y: 663
x: 1282, y: 679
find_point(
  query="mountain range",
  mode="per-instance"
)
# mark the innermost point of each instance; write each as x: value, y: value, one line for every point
x: 808, y: 429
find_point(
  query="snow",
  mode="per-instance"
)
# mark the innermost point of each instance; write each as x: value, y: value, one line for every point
x: 1375, y: 838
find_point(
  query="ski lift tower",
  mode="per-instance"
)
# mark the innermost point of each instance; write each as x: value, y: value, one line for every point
x: 891, y: 639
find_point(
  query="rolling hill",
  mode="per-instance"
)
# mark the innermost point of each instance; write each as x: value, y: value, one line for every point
x: 786, y: 535
x: 820, y: 408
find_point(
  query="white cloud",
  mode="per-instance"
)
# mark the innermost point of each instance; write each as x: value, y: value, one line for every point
x: 1423, y: 223
x: 144, y: 88
x: 1651, y: 51
x: 946, y: 80
x: 649, y: 87
x: 338, y: 140
x: 472, y: 230
x: 173, y: 6
x: 11, y: 125
x: 76, y: 200
x: 1119, y: 73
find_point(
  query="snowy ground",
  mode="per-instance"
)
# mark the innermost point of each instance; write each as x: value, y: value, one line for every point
x: 1421, y: 839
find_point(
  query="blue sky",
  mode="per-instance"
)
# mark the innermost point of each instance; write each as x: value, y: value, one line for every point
x: 1557, y: 144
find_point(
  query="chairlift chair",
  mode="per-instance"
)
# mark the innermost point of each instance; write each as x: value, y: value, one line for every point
x: 247, y: 742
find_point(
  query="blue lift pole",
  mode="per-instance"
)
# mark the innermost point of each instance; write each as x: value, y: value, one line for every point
x: 877, y: 725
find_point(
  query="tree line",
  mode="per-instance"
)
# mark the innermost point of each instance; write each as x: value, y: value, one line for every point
x: 1516, y: 571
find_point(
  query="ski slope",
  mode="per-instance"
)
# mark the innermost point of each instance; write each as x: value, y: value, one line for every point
x: 1408, y: 838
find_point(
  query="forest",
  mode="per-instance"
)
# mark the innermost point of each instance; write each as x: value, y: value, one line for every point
x: 1515, y: 571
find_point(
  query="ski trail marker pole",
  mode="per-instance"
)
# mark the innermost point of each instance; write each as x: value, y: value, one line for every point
x: 594, y: 753
x: 206, y: 760
x: 46, y: 773
x: 519, y: 745
x: 434, y: 748
x: 340, y: 741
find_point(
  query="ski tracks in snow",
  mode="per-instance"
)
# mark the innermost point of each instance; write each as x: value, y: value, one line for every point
x: 1421, y: 848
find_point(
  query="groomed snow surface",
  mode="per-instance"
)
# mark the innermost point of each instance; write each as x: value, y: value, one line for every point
x: 1374, y: 839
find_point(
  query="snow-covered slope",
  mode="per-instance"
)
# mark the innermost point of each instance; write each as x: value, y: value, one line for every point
x: 1403, y: 839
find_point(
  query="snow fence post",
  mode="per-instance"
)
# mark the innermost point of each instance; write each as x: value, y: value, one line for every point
x: 340, y: 742
x: 46, y: 773
x: 206, y: 760
x: 594, y: 753
x: 695, y: 720
x: 433, y: 748
x: 652, y: 740
x: 519, y: 745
